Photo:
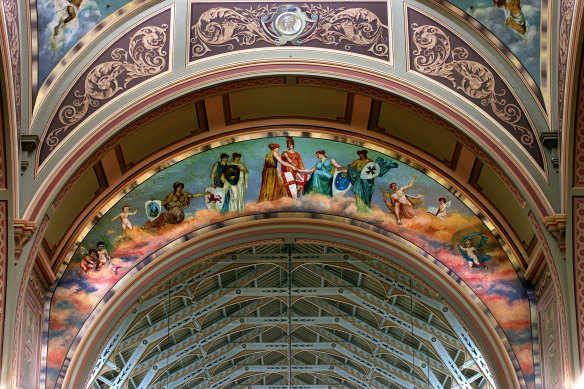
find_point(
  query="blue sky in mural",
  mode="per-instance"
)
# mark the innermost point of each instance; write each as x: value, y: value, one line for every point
x: 526, y: 47
x: 55, y: 43
x: 498, y: 286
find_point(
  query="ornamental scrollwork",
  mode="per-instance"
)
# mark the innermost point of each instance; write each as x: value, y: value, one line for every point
x: 13, y: 32
x: 566, y: 15
x: 434, y: 56
x: 144, y: 57
x: 233, y: 28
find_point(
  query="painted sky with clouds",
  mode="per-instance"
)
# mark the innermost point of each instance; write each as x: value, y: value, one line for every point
x: 498, y: 287
x: 525, y: 47
x: 49, y: 12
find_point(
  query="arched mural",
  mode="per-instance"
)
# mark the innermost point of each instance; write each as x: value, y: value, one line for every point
x: 261, y: 175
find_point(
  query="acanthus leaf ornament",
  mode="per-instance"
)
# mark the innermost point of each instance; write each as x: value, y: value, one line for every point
x: 145, y: 56
x: 232, y: 28
x: 289, y: 24
x: 434, y: 56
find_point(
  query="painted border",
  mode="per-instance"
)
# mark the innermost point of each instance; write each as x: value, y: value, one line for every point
x: 21, y: 295
x: 3, y: 267
x: 506, y: 54
x: 549, y: 258
x: 11, y: 20
x: 71, y: 94
x: 578, y: 239
x: 38, y: 94
x: 389, y: 63
x: 543, y: 168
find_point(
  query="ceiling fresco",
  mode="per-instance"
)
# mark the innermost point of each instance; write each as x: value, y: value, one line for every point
x: 301, y: 175
x: 62, y: 24
x: 516, y: 23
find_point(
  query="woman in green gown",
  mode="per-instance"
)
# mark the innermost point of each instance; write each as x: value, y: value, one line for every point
x: 321, y: 180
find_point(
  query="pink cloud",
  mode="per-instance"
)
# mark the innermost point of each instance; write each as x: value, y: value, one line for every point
x: 437, y: 237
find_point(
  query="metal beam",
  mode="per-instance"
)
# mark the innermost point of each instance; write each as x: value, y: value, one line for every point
x: 117, y: 337
x: 285, y: 387
x: 184, y: 316
x: 377, y: 364
x: 387, y: 274
x: 198, y: 341
x: 369, y: 333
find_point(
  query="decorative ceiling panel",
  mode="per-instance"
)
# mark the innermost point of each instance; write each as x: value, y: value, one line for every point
x: 140, y: 54
x: 438, y: 53
x: 61, y: 24
x: 356, y: 28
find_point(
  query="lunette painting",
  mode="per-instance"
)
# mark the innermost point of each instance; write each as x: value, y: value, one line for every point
x: 288, y: 174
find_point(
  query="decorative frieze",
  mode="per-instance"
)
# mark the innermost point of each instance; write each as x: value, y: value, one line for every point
x: 360, y: 28
x: 438, y: 53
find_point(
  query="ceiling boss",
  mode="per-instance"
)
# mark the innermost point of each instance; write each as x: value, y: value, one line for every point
x: 289, y: 24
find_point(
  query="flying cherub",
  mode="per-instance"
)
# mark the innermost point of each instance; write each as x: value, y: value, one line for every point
x: 514, y: 17
x: 471, y: 253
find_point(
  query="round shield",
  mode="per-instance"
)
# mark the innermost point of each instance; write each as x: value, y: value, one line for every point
x: 341, y: 183
x: 370, y: 170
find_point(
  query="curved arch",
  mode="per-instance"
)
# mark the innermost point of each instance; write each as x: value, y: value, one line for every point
x: 442, y: 108
x: 385, y: 247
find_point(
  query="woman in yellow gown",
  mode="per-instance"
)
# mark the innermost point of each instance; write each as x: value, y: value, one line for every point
x: 272, y: 184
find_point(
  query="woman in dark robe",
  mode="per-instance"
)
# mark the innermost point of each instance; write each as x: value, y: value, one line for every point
x: 174, y: 203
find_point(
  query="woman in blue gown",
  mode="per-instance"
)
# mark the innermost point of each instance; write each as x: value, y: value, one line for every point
x: 320, y: 181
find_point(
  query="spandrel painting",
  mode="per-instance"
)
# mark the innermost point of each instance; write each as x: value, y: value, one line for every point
x: 289, y: 174
x: 515, y: 22
x: 62, y: 23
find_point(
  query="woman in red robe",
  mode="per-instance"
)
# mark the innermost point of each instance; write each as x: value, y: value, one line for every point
x: 293, y: 158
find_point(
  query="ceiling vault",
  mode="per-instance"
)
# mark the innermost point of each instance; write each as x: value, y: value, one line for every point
x: 290, y: 316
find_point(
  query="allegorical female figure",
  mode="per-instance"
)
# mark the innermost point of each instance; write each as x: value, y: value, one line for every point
x: 322, y: 175
x: 272, y: 187
x: 363, y: 188
x: 174, y: 203
x: 218, y: 179
x: 293, y: 158
x: 237, y: 188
